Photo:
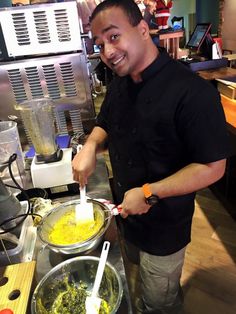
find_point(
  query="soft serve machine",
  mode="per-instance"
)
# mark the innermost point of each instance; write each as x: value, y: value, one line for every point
x: 47, y: 78
x: 46, y: 88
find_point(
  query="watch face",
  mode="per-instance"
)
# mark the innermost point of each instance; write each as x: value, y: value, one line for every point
x: 152, y: 200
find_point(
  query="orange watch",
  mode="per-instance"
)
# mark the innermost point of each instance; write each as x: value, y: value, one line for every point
x: 150, y: 198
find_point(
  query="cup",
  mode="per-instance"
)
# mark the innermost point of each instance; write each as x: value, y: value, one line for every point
x: 9, y: 145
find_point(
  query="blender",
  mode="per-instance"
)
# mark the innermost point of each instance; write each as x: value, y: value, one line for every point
x: 51, y: 166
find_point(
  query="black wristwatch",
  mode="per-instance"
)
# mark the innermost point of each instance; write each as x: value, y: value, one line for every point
x: 150, y: 198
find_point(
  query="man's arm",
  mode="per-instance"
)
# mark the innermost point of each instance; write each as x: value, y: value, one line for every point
x: 84, y: 162
x: 189, y: 179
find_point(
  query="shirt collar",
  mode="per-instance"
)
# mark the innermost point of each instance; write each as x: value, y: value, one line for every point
x: 162, y: 59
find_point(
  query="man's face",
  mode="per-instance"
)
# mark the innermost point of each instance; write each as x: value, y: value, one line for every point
x: 121, y: 44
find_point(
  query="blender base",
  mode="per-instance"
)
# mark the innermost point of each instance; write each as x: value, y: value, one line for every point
x: 53, y: 174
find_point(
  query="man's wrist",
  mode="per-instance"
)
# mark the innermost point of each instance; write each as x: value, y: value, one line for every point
x: 150, y: 199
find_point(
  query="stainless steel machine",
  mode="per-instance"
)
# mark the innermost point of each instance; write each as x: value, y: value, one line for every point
x: 45, y: 56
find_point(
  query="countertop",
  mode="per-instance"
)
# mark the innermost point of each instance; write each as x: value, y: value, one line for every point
x: 220, y: 73
x: 97, y: 188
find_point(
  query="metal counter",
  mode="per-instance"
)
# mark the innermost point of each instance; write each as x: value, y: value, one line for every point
x: 98, y: 187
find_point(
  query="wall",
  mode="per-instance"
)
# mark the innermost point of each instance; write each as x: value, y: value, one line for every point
x: 229, y: 25
x: 187, y: 9
x: 208, y: 11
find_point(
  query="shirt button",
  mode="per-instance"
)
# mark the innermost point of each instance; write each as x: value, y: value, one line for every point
x: 130, y: 163
x: 117, y: 127
x: 148, y: 100
x: 134, y: 130
x: 117, y: 157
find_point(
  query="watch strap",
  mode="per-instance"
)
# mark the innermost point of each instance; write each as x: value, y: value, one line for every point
x: 146, y: 190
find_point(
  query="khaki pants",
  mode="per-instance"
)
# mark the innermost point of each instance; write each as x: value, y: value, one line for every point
x: 159, y: 280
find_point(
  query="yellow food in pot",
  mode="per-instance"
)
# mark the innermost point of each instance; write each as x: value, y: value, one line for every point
x: 68, y: 231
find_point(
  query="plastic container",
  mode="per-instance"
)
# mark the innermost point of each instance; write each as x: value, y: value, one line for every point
x: 10, y: 144
x: 38, y: 118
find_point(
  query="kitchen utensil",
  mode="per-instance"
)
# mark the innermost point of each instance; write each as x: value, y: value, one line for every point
x: 93, y: 302
x: 83, y: 210
x: 48, y: 221
x: 77, y: 270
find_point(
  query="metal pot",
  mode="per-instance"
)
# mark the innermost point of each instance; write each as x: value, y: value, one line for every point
x: 49, y: 220
x: 77, y: 271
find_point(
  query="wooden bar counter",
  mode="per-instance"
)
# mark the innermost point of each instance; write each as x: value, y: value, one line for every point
x: 229, y: 106
x: 220, y: 73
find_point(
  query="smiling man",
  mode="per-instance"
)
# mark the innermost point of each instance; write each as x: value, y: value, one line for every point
x: 123, y: 47
x: 166, y: 134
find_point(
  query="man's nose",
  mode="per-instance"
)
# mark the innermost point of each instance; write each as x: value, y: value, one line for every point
x: 108, y: 50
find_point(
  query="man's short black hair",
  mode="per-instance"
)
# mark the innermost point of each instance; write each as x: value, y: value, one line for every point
x: 129, y: 7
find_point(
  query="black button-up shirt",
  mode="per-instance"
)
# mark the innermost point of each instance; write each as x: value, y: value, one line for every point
x: 155, y: 128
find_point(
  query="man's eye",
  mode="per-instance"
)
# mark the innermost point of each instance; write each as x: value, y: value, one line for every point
x: 114, y: 37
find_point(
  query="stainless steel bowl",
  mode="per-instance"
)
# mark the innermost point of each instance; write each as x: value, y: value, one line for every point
x: 49, y: 220
x: 78, y: 270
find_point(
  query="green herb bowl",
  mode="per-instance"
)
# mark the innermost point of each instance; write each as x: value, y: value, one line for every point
x: 76, y: 272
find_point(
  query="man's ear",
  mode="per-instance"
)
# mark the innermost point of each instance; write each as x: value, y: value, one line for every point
x: 144, y: 29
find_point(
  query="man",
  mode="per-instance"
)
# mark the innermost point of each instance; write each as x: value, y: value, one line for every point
x: 166, y: 136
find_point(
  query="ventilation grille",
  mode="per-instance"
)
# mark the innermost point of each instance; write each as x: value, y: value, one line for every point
x: 68, y: 79
x: 17, y: 85
x: 41, y: 27
x: 63, y: 78
x: 54, y: 90
x: 34, y: 82
x: 62, y: 24
x: 21, y: 29
x: 36, y: 29
x: 51, y: 81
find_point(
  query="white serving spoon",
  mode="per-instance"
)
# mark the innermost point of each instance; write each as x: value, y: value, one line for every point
x: 84, y: 211
x: 93, y: 302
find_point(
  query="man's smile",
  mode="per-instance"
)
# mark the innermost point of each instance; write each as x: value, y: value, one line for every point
x: 117, y: 61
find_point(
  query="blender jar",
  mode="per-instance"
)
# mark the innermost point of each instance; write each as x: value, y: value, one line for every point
x: 38, y: 119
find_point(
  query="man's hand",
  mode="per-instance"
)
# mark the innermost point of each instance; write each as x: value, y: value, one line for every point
x: 84, y: 162
x: 83, y: 165
x: 134, y: 203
